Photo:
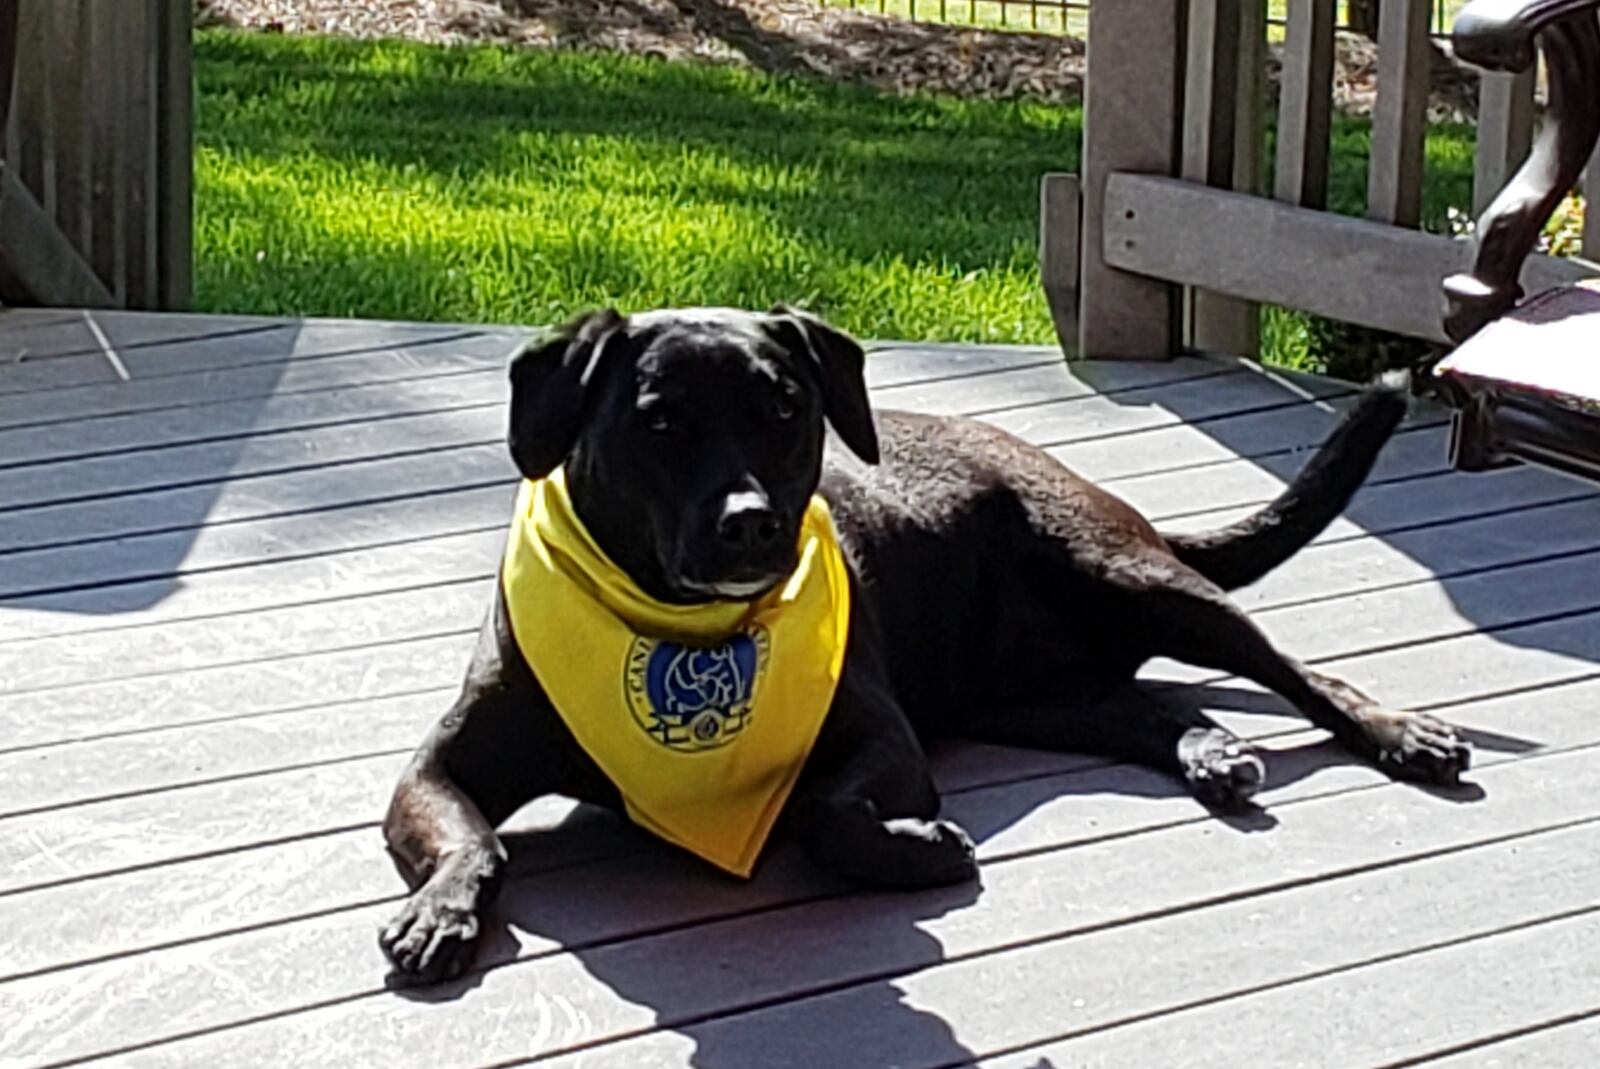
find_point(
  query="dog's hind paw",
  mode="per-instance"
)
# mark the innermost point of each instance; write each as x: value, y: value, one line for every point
x: 1419, y: 747
x: 1223, y: 771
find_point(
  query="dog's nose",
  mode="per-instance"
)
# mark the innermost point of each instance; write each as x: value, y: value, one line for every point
x: 747, y: 522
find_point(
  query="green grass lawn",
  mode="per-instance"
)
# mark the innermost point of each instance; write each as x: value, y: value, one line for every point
x: 394, y: 180
x: 482, y: 184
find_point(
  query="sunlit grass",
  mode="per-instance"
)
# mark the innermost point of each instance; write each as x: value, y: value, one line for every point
x: 481, y: 184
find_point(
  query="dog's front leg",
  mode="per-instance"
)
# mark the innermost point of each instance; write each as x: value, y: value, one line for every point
x: 867, y: 809
x: 453, y: 861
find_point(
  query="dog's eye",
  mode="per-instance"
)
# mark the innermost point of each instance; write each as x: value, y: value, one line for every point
x: 783, y: 410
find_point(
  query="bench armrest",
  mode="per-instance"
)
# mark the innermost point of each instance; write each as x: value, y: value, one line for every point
x: 1499, y: 34
x: 1502, y: 35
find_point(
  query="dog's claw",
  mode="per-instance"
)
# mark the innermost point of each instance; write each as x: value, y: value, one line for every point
x: 1223, y: 772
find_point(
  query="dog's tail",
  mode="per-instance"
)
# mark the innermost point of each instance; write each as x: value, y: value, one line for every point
x: 1239, y: 554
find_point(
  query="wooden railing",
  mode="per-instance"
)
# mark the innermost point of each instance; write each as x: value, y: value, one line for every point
x: 95, y: 163
x: 1168, y: 240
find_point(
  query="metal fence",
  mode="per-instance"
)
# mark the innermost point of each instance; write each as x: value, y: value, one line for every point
x: 1059, y: 16
x: 1063, y: 16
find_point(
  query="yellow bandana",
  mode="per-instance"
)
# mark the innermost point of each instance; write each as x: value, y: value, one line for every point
x: 701, y: 715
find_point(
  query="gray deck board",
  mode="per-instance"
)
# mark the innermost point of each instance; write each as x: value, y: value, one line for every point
x: 481, y: 382
x: 1508, y: 579
x: 366, y: 363
x: 349, y: 786
x: 414, y: 498
x: 1339, y: 629
x: 148, y: 907
x: 235, y: 589
x: 419, y: 467
x: 1086, y: 813
x: 1407, y: 491
x: 1389, y: 1011
x: 1557, y: 1045
x: 856, y: 942
x: 122, y: 914
x: 262, y: 362
x: 152, y: 559
x: 63, y: 347
x: 203, y: 443
x: 1274, y: 940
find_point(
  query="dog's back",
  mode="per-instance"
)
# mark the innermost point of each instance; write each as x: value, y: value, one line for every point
x: 987, y: 557
x: 940, y: 477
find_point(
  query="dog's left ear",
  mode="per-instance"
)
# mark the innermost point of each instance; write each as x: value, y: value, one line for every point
x: 549, y: 386
x: 841, y: 369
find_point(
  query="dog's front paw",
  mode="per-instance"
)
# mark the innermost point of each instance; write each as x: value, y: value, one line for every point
x: 1419, y: 747
x: 932, y: 853
x: 431, y: 938
x: 1223, y: 771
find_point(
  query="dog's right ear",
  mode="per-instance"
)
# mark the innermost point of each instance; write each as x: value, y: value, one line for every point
x: 550, y: 377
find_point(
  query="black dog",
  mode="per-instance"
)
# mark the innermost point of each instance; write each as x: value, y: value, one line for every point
x: 996, y: 596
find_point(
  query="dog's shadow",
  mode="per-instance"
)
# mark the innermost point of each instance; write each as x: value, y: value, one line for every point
x: 621, y: 934
x: 618, y: 933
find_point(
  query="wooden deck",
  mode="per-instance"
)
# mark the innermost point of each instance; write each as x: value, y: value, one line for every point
x: 237, y: 585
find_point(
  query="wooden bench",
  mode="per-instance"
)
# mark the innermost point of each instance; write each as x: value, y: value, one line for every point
x: 1525, y: 380
x: 1170, y: 241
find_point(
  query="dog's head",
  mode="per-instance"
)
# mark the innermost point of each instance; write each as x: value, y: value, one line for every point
x: 692, y: 438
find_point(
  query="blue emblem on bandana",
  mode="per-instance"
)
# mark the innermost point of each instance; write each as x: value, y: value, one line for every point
x: 695, y: 697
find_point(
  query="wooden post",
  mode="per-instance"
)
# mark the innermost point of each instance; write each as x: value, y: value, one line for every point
x: 1505, y: 132
x: 72, y: 86
x: 8, y: 64
x: 138, y: 138
x: 32, y: 142
x: 1305, y: 107
x: 1222, y: 142
x: 1209, y: 95
x: 1399, y: 120
x: 101, y: 141
x: 1591, y: 207
x: 1130, y: 124
x: 174, y: 155
x: 1060, y: 245
x: 1250, y: 100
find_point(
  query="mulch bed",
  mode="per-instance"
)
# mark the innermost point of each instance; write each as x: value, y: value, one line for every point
x: 796, y: 36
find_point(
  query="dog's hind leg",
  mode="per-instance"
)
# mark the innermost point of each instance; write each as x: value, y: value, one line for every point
x: 1182, y: 615
x: 1222, y: 770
